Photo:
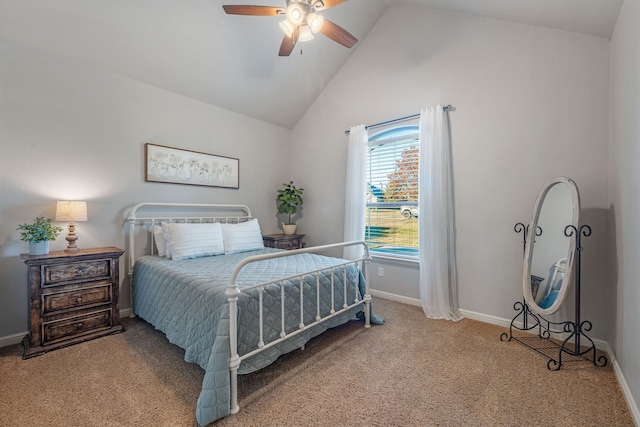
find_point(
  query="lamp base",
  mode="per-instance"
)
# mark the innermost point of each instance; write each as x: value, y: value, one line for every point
x: 71, y: 238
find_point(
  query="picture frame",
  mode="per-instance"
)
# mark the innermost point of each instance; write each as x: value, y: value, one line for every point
x: 180, y: 166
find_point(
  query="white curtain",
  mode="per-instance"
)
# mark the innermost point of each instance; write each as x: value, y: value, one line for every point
x: 436, y: 234
x: 356, y: 187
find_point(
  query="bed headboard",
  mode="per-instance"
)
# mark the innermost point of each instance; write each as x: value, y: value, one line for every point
x: 143, y: 216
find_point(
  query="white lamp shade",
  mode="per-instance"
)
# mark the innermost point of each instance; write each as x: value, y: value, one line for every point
x: 305, y: 33
x: 295, y: 14
x: 287, y: 28
x: 71, y: 211
x: 315, y: 22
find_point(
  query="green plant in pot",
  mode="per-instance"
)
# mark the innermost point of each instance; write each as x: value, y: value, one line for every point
x: 38, y: 234
x: 288, y: 201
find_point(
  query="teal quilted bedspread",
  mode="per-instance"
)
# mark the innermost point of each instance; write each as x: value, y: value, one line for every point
x: 186, y: 301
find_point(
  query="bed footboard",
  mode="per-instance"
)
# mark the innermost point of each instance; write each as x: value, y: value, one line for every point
x: 234, y: 291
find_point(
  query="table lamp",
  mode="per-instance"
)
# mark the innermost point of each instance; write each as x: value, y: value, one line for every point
x: 71, y: 211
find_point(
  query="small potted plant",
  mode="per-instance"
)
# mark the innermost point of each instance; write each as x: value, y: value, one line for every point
x: 38, y: 234
x: 288, y: 201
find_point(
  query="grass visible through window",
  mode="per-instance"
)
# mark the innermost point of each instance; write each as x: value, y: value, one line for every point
x: 387, y: 231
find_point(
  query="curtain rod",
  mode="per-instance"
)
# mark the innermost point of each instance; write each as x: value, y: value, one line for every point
x: 401, y: 119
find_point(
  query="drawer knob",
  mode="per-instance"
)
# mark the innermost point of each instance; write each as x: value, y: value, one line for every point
x: 77, y: 325
x: 79, y: 300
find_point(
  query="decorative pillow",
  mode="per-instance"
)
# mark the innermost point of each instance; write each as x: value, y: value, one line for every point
x: 195, y: 240
x: 158, y: 237
x: 242, y: 237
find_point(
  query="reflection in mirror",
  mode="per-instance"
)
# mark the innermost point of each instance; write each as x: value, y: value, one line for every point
x: 549, y: 256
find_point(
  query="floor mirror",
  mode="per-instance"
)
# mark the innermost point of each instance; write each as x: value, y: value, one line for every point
x: 551, y: 264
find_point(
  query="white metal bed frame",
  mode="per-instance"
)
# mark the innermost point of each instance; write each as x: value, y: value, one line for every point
x: 233, y: 290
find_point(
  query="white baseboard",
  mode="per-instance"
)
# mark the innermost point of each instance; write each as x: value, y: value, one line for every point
x: 633, y: 407
x: 494, y: 320
x: 396, y: 298
x: 12, y: 339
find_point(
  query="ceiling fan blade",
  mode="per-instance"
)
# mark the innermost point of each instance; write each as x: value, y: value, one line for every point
x: 325, y: 4
x: 288, y: 43
x: 338, y: 34
x: 254, y: 10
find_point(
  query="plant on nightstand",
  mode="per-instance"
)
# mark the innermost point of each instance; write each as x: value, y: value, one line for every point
x: 38, y: 234
x: 288, y: 201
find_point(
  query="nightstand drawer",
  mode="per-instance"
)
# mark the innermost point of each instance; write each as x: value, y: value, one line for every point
x: 76, y: 298
x: 70, y: 327
x: 283, y: 241
x: 288, y: 244
x: 55, y: 274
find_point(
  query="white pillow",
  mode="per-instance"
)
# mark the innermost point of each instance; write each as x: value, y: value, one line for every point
x: 158, y: 237
x: 242, y: 237
x: 195, y: 240
x: 167, y: 239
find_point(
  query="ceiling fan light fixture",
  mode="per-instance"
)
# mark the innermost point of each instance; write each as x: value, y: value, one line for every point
x: 305, y: 33
x: 302, y: 19
x: 295, y: 14
x: 315, y: 21
x: 287, y: 27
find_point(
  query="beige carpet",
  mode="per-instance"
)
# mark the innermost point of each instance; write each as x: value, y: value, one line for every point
x: 410, y: 372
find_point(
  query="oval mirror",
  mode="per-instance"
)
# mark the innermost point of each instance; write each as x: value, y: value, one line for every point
x: 548, y: 261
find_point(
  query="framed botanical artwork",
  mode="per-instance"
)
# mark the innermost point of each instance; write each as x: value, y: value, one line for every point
x: 178, y: 166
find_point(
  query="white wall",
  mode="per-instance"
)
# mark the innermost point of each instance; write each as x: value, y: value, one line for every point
x: 625, y: 191
x: 532, y: 104
x: 68, y: 131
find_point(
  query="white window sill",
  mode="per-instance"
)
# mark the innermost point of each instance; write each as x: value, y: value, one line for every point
x: 395, y: 258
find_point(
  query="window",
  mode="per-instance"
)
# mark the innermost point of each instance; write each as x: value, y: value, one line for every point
x: 391, y: 226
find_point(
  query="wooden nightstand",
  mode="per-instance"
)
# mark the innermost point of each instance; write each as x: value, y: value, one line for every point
x: 73, y: 297
x: 283, y: 241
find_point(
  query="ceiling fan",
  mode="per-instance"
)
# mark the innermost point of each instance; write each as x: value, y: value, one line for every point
x: 301, y: 22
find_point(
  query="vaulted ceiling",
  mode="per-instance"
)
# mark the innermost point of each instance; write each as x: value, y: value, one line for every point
x: 191, y: 47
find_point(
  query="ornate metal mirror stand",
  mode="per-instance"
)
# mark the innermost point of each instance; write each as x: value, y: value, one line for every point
x: 541, y: 331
